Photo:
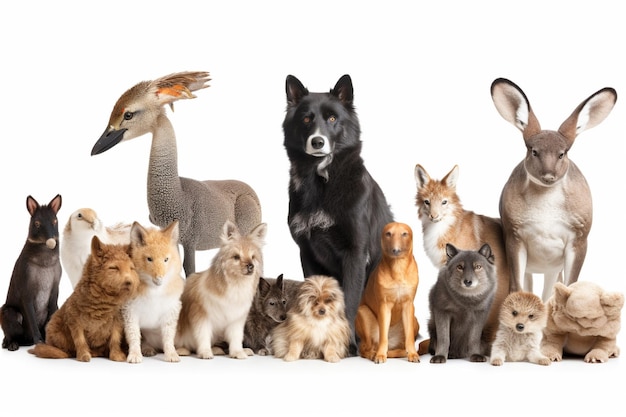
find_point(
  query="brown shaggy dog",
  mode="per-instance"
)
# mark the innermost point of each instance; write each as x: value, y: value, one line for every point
x: 385, y: 321
x: 316, y: 325
x: 89, y: 323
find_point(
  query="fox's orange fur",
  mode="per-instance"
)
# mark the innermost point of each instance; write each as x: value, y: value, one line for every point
x: 444, y: 220
x: 89, y: 323
x: 150, y: 319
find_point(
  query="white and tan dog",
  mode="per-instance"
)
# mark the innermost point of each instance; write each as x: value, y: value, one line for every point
x: 150, y: 319
x: 216, y: 302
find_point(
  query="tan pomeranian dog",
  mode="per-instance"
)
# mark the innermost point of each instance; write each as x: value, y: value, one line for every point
x: 316, y: 326
x: 523, y: 317
x: 216, y: 302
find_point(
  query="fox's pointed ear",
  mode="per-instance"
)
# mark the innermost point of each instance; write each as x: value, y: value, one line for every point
x: 343, y: 90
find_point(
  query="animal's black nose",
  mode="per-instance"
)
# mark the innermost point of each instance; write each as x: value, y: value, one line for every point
x: 322, y: 311
x: 250, y: 268
x: 519, y: 327
x: 317, y: 142
x: 467, y: 282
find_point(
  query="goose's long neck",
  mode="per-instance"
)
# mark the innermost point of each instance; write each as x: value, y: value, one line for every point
x: 163, y: 180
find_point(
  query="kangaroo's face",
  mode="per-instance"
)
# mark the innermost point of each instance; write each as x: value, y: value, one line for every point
x: 546, y: 159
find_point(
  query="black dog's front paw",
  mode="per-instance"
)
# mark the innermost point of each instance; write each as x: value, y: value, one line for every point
x: 438, y: 359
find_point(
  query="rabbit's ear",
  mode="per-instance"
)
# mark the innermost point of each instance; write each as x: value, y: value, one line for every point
x: 514, y: 107
x: 589, y: 113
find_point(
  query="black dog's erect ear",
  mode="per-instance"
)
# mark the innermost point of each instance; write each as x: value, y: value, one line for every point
x: 343, y: 90
x: 295, y: 90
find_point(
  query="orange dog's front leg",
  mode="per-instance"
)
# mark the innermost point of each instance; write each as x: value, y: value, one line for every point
x: 384, y: 321
x: 411, y: 328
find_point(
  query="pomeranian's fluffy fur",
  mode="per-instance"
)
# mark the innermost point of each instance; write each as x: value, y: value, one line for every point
x: 316, y: 325
x: 523, y: 317
x: 216, y: 302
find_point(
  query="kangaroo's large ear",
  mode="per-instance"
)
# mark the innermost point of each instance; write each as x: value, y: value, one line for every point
x: 514, y: 107
x: 55, y: 203
x: 589, y: 113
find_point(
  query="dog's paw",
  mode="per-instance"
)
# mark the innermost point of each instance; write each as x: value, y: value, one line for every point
x: 413, y: 357
x: 171, y: 357
x: 290, y: 357
x: 334, y: 358
x: 183, y: 351
x: 545, y: 361
x: 497, y: 361
x: 477, y: 358
x: 134, y: 358
x: 205, y: 353
x: 597, y: 356
x: 239, y: 354
x: 117, y: 356
x: 148, y: 351
x: 380, y: 358
x: 438, y: 359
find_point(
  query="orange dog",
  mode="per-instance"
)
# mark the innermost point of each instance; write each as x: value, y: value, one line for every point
x: 385, y: 321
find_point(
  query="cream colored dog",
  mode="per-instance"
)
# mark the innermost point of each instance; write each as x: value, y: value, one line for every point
x: 216, y: 302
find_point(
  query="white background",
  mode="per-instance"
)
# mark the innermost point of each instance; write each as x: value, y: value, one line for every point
x: 421, y: 73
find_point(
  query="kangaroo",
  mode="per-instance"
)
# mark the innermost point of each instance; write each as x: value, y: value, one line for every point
x: 444, y: 220
x: 545, y: 205
x: 33, y: 292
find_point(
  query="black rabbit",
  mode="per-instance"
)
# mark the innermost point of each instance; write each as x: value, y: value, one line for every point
x: 34, y: 289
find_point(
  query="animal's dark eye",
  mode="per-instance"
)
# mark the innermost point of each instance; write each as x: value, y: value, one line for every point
x: 514, y: 312
x: 531, y: 316
x: 236, y: 257
x: 128, y: 115
x: 284, y: 302
x: 80, y: 215
x: 388, y: 234
x: 306, y: 120
x: 404, y: 234
x: 478, y: 267
x: 534, y: 153
x: 166, y: 260
x: 332, y: 118
x: 427, y: 202
x: 444, y: 202
x: 149, y: 259
x: 272, y: 303
x: 561, y: 156
x: 459, y: 268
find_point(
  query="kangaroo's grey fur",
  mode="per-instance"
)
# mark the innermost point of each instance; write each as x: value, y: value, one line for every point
x: 545, y: 205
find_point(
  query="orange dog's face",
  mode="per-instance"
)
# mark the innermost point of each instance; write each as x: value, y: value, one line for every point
x: 397, y: 240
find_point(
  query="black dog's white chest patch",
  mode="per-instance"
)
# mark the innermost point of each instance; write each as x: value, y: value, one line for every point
x: 303, y: 224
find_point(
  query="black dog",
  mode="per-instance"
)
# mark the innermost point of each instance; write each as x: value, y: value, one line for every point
x: 34, y: 288
x: 336, y: 209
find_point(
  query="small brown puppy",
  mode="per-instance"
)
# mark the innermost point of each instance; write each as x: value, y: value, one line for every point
x: 90, y: 323
x: 385, y: 321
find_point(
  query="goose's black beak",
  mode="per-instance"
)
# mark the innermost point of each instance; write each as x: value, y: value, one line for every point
x: 109, y: 139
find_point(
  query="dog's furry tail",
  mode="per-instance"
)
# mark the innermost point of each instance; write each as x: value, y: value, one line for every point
x: 423, y: 347
x: 42, y: 350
